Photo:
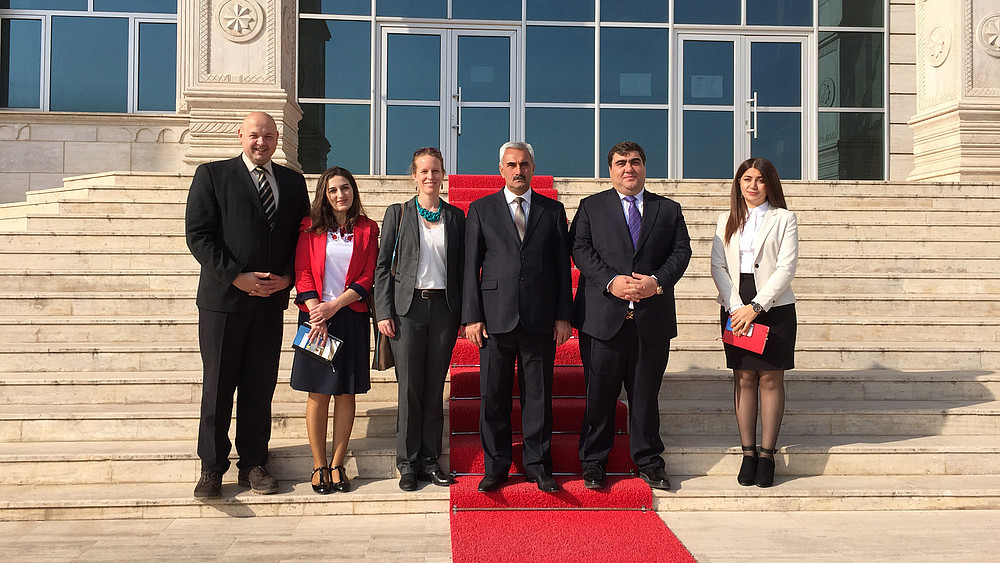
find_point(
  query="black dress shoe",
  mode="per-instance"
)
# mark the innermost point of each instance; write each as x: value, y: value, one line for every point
x: 765, y: 468
x: 209, y: 485
x: 325, y: 486
x: 344, y: 485
x: 408, y: 482
x: 491, y: 483
x: 438, y: 477
x: 546, y: 483
x: 655, y: 478
x: 593, y: 477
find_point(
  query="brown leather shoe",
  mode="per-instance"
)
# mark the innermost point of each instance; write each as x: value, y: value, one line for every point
x: 209, y: 485
x: 258, y: 479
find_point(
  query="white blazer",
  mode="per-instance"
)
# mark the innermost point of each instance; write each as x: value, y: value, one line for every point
x: 777, y: 253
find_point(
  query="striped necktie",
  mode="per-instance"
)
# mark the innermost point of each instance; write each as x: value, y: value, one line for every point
x: 266, y: 195
x: 634, y: 220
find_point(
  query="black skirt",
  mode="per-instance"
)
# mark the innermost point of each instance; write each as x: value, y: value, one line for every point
x: 350, y: 372
x: 779, y: 351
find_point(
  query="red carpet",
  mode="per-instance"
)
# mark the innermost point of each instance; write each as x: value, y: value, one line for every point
x: 518, y: 522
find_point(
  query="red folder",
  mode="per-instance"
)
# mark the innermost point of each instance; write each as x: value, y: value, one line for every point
x: 753, y: 340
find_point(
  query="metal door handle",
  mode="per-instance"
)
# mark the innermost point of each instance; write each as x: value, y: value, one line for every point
x: 752, y: 102
x: 458, y: 110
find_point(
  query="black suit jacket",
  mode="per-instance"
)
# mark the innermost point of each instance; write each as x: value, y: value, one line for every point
x: 509, y: 282
x: 228, y: 233
x: 602, y: 249
x: 393, y: 295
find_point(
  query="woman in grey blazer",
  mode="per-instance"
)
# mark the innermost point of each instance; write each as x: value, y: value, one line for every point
x: 418, y: 302
x: 754, y: 256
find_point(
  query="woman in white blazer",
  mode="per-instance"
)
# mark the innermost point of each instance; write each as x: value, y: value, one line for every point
x: 754, y: 255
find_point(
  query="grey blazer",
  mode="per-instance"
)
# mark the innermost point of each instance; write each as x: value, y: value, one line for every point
x: 393, y: 294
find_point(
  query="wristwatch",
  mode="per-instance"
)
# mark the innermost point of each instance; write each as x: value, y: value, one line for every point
x: 756, y: 308
x: 659, y: 289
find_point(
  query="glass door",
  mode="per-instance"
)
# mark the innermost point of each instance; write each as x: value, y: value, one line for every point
x: 743, y: 96
x: 450, y: 88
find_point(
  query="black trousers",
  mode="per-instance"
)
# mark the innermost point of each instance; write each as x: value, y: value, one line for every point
x: 425, y: 338
x: 535, y: 355
x: 239, y: 352
x: 637, y: 362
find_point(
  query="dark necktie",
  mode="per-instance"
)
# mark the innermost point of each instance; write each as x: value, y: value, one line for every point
x: 519, y: 221
x: 634, y: 220
x: 266, y: 195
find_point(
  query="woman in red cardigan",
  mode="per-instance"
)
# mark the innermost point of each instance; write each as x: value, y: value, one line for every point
x: 334, y: 272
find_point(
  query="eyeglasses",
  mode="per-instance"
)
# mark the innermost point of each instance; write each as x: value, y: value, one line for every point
x: 434, y: 151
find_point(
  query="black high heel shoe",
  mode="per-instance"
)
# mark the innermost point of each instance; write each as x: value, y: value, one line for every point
x: 748, y: 470
x: 344, y: 485
x: 765, y: 468
x: 325, y: 485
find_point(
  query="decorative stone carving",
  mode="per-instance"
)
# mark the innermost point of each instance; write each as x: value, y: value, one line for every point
x: 988, y: 35
x: 240, y: 20
x: 938, y: 45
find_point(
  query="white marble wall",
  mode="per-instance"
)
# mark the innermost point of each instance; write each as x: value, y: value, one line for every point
x: 902, y: 86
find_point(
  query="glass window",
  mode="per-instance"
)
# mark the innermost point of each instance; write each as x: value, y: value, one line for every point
x: 484, y: 68
x: 561, y: 10
x: 334, y: 135
x: 776, y: 73
x: 479, y: 10
x: 407, y: 128
x: 413, y: 8
x: 414, y: 71
x: 779, y: 12
x: 708, y: 144
x: 634, y: 65
x: 157, y: 67
x: 644, y: 126
x: 779, y: 139
x: 89, y: 68
x: 708, y: 73
x: 851, y: 13
x: 144, y: 6
x: 483, y: 131
x: 651, y: 11
x: 851, y: 146
x: 563, y: 140
x: 342, y: 7
x: 850, y: 70
x: 334, y: 59
x: 700, y: 11
x: 560, y: 64
x: 80, y: 5
x: 20, y: 63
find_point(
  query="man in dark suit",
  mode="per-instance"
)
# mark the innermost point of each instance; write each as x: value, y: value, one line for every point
x: 517, y: 305
x: 631, y: 246
x: 242, y: 223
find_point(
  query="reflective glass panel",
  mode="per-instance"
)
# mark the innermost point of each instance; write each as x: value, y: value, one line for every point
x: 334, y: 59
x: 44, y: 4
x: 413, y: 8
x: 851, y: 13
x: 634, y: 65
x: 708, y: 144
x: 484, y: 68
x: 561, y: 10
x: 563, y: 140
x: 20, y: 63
x: 779, y: 12
x: 89, y: 69
x: 850, y: 70
x: 644, y: 126
x: 334, y: 135
x: 652, y: 11
x: 341, y: 7
x: 708, y: 73
x: 414, y: 71
x: 700, y: 11
x: 483, y: 131
x: 779, y: 139
x: 560, y: 64
x: 775, y: 73
x: 144, y: 6
x: 408, y: 128
x: 851, y: 146
x: 157, y: 67
x: 479, y: 10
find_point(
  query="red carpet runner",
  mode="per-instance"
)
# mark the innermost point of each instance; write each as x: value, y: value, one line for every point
x: 518, y: 522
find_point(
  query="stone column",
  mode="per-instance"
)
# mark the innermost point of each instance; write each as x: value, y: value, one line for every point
x: 957, y: 126
x: 237, y: 56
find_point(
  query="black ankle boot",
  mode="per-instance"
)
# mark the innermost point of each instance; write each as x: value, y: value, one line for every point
x: 765, y: 468
x: 748, y: 471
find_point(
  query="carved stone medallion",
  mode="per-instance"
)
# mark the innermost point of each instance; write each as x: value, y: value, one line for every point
x: 988, y: 35
x: 241, y: 20
x: 938, y: 45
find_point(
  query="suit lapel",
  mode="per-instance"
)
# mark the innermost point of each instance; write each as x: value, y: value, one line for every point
x: 614, y: 206
x: 410, y: 225
x: 506, y: 219
x: 770, y: 218
x: 534, y: 215
x: 650, y: 209
x: 733, y: 256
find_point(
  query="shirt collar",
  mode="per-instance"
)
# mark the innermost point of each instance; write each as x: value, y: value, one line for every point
x: 509, y: 195
x: 760, y: 210
x: 250, y: 166
x: 638, y: 196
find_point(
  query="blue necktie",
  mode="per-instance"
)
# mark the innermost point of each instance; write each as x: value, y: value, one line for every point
x: 634, y: 220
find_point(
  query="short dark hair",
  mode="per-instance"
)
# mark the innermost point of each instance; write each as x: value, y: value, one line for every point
x: 321, y: 212
x: 625, y: 147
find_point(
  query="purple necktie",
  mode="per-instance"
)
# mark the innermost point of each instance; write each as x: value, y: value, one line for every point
x: 634, y: 220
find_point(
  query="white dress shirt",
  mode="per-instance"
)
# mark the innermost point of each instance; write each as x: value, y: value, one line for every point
x: 755, y: 218
x: 268, y: 172
x: 512, y: 205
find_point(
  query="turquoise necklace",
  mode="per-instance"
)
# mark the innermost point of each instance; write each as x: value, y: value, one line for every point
x: 432, y: 216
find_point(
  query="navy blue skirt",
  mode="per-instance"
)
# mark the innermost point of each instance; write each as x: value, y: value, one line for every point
x: 350, y: 372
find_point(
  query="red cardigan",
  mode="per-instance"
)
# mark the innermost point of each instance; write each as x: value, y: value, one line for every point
x: 310, y: 262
